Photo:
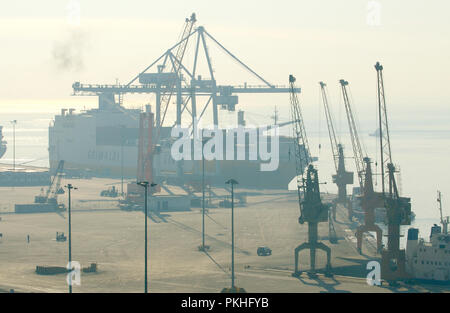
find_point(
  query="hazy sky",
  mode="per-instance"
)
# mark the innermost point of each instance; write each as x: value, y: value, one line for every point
x: 314, y: 40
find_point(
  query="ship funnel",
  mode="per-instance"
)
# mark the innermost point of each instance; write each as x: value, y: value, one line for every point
x: 411, y: 246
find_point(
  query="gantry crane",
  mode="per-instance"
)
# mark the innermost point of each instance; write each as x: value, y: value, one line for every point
x: 184, y: 79
x: 172, y: 75
x: 342, y: 178
x: 398, y: 209
x: 312, y: 210
x: 444, y: 220
x: 370, y: 200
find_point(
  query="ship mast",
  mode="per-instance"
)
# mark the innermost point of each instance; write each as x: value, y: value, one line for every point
x: 444, y: 220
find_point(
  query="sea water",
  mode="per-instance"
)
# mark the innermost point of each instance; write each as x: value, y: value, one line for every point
x: 422, y: 155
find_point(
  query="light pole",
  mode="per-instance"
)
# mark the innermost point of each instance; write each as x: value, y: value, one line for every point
x: 232, y: 182
x: 14, y: 122
x: 203, y: 247
x: 70, y: 187
x: 121, y: 159
x: 145, y: 185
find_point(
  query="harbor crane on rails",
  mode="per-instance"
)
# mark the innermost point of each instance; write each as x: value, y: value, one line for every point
x: 342, y: 178
x: 312, y: 210
x: 370, y: 200
x: 398, y: 209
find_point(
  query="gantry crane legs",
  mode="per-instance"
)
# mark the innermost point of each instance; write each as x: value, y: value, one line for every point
x: 342, y: 178
x: 370, y: 200
x: 312, y: 210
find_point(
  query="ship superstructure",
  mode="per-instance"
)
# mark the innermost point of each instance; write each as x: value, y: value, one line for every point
x: 428, y: 260
x: 104, y: 142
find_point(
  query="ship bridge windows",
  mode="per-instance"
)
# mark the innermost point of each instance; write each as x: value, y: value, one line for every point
x: 103, y: 155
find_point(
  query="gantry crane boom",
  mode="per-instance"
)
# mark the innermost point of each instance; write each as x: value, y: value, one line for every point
x: 176, y: 61
x: 356, y: 144
x: 330, y: 125
x: 55, y: 184
x: 342, y: 177
x: 301, y: 146
x: 385, y: 142
x: 53, y: 190
x: 370, y: 200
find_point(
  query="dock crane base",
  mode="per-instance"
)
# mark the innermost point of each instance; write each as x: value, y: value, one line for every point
x: 393, y: 266
x: 312, y: 245
x: 367, y: 228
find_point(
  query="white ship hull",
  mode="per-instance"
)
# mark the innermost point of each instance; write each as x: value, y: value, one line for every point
x: 104, y: 142
x: 428, y: 261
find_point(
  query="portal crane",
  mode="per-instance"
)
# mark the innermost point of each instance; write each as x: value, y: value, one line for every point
x: 342, y: 178
x: 370, y: 200
x: 312, y: 210
x: 398, y: 209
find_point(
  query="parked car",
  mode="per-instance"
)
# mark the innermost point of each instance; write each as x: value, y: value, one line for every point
x: 264, y: 251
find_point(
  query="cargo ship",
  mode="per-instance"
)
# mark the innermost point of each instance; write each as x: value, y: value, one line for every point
x: 103, y: 142
x: 2, y: 143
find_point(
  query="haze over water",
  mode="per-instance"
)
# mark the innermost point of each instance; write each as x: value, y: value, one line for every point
x: 422, y: 154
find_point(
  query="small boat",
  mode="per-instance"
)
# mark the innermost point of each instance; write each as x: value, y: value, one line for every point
x: 375, y: 133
